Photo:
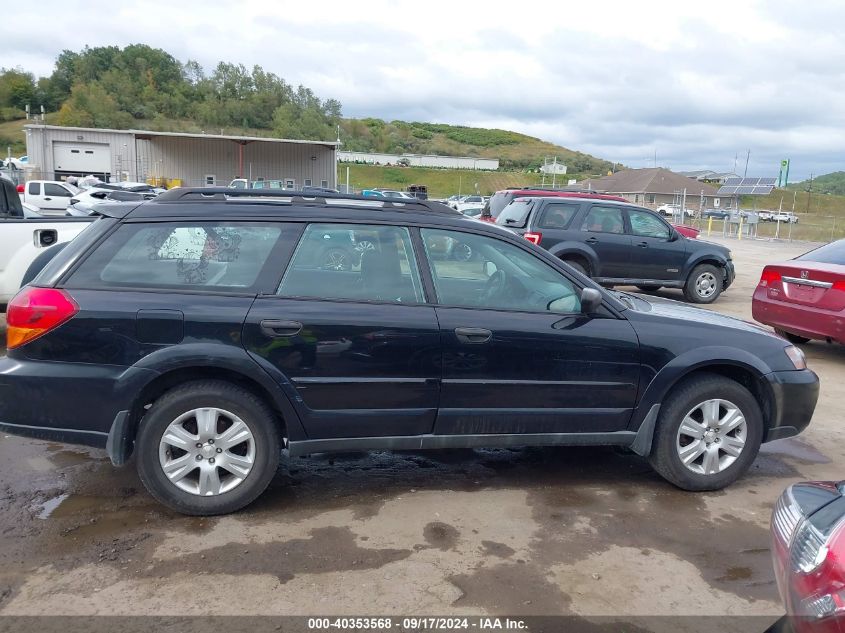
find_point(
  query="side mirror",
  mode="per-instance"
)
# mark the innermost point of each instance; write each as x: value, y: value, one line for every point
x: 675, y: 236
x: 490, y: 269
x: 590, y: 300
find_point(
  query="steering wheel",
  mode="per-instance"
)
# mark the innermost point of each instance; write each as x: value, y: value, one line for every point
x: 495, y: 286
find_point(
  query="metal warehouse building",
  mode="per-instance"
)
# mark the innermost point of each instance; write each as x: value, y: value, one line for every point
x: 178, y: 158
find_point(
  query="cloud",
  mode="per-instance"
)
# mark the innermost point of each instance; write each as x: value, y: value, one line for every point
x: 618, y: 79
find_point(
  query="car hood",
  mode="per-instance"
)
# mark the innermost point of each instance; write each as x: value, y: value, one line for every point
x: 657, y: 306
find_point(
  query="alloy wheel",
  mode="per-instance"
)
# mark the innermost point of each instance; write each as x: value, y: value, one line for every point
x: 207, y: 451
x: 711, y: 436
x: 706, y: 284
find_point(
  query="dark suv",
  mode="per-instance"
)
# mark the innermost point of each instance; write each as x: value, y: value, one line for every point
x: 617, y: 243
x: 499, y: 200
x: 200, y: 332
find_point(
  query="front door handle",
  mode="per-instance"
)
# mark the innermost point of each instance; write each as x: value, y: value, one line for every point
x: 643, y: 244
x: 592, y: 240
x: 473, y: 335
x: 280, y: 329
x: 47, y: 198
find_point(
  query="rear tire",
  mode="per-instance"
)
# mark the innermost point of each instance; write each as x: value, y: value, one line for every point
x: 792, y: 338
x: 719, y: 463
x: 704, y: 285
x: 240, y: 472
x: 649, y: 288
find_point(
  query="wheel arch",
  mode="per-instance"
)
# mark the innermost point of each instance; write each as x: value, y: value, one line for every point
x: 568, y: 250
x: 739, y: 366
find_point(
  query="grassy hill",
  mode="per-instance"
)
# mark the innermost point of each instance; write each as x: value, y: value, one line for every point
x: 440, y: 182
x: 833, y: 183
x: 515, y: 151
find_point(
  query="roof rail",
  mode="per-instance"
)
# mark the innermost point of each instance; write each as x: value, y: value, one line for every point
x: 289, y: 196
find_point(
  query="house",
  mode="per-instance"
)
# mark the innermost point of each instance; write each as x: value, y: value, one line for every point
x: 654, y: 186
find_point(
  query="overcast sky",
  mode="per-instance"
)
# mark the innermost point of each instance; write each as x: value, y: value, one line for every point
x: 697, y: 82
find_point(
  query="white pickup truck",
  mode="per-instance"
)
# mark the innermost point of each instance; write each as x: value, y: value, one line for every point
x: 23, y: 239
x: 51, y: 197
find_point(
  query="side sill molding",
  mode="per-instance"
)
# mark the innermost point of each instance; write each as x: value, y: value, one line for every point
x: 416, y: 442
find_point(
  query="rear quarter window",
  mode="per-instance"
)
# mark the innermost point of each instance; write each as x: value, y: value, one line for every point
x: 199, y: 255
x: 515, y: 215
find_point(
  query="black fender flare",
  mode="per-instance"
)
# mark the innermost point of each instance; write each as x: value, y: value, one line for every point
x: 644, y: 419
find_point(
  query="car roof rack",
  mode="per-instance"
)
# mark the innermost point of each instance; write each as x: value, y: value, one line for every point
x: 290, y: 197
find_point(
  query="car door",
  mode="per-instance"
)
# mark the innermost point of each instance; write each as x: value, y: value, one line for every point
x: 659, y: 252
x: 55, y: 197
x: 518, y: 355
x: 356, y: 345
x: 603, y: 230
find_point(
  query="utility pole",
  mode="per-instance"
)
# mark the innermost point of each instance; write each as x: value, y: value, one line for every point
x: 809, y: 193
x: 747, y: 156
x: 736, y: 158
x: 655, y: 157
x: 554, y: 173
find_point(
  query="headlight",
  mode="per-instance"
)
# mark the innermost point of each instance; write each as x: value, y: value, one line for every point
x: 796, y: 356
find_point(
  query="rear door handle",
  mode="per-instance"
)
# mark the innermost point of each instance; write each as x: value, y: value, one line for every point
x: 643, y: 244
x: 592, y: 240
x: 473, y: 335
x: 280, y: 329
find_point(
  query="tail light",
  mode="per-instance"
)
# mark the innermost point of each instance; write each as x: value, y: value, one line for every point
x: 19, y: 188
x: 35, y: 311
x: 534, y: 238
x: 768, y: 277
x: 838, y: 285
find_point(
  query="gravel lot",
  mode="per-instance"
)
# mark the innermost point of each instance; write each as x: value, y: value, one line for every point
x: 533, y: 531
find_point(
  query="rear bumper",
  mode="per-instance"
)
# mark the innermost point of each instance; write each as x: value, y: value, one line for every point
x: 75, y: 403
x: 795, y: 394
x: 795, y: 318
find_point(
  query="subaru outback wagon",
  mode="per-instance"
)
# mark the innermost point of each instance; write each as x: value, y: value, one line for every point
x: 203, y: 332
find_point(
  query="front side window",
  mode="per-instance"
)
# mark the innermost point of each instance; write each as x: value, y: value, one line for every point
x: 354, y: 262
x: 476, y: 271
x: 57, y: 191
x: 180, y: 255
x: 645, y: 224
x: 604, y: 220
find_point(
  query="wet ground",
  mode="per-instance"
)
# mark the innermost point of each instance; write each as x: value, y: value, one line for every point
x: 543, y: 531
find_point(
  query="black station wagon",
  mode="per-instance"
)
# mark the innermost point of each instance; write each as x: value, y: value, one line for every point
x: 205, y: 330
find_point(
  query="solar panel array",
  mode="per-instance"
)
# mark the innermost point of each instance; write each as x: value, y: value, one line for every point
x: 747, y: 187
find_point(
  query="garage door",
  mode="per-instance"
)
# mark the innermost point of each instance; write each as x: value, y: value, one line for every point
x: 82, y: 158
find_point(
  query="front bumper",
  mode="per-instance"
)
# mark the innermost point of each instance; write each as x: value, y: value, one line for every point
x: 794, y: 394
x: 730, y: 274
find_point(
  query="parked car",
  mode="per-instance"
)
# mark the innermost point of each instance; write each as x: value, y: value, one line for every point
x: 392, y: 193
x: 808, y: 552
x: 499, y: 200
x: 621, y: 244
x: 784, y: 216
x: 418, y: 191
x: 82, y: 204
x: 716, y: 214
x: 803, y: 298
x: 674, y: 209
x: 468, y: 201
x: 24, y: 235
x: 52, y: 197
x: 473, y: 212
x: 687, y: 231
x: 186, y: 330
x: 372, y: 193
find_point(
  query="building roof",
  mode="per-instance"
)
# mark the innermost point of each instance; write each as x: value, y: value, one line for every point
x: 650, y: 180
x: 147, y: 134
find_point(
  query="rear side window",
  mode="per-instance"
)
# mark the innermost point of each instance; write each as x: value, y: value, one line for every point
x: 604, y: 220
x: 195, y: 255
x: 499, y: 201
x: 515, y: 215
x: 355, y: 262
x: 558, y: 216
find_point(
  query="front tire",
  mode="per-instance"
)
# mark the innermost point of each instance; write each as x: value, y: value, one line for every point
x: 579, y: 266
x: 704, y: 285
x: 708, y: 433
x: 207, y: 447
